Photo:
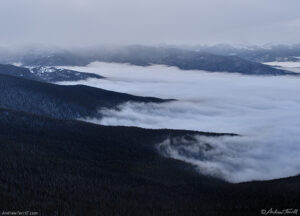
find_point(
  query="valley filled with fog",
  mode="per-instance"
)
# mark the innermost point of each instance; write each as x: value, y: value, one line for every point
x: 262, y: 109
x: 149, y: 108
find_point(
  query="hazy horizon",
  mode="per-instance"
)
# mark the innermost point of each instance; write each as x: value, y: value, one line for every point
x: 72, y: 23
x: 52, y: 48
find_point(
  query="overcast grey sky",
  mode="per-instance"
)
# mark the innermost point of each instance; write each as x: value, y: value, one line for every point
x: 90, y: 22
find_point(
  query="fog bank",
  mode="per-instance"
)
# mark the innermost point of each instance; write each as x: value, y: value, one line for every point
x: 264, y: 110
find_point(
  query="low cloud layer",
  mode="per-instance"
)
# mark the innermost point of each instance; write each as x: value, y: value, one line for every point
x: 238, y: 159
x: 264, y: 110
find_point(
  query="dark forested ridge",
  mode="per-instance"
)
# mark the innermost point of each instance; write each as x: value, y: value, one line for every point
x: 59, y: 101
x: 46, y: 74
x: 53, y: 74
x: 65, y: 167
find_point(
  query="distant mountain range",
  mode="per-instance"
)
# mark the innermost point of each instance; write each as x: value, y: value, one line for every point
x: 186, y: 60
x: 209, y: 59
x: 255, y: 53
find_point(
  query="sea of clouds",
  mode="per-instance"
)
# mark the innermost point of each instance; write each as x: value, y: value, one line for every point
x: 263, y: 109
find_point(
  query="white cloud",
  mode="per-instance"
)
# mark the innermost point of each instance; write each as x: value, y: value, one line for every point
x: 285, y: 64
x: 265, y: 110
x: 237, y: 159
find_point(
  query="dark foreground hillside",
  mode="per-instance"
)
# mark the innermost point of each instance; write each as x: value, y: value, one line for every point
x: 59, y: 167
x: 66, y: 102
